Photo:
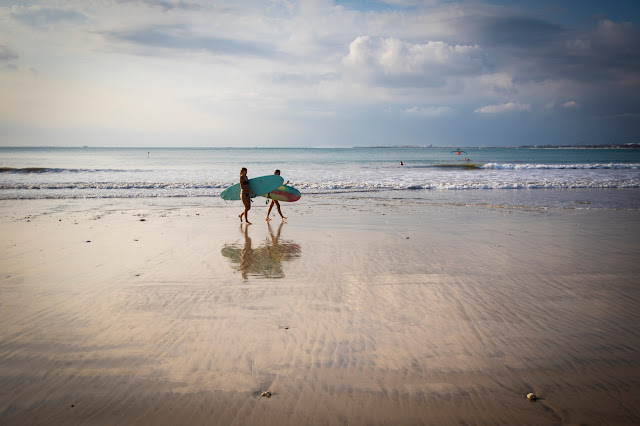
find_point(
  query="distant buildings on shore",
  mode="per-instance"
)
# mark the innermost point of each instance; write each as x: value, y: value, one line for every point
x: 612, y: 146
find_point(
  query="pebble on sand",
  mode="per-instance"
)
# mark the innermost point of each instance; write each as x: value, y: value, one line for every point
x: 266, y: 394
x: 532, y: 396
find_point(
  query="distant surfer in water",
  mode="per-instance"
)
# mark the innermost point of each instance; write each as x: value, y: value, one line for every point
x: 245, y: 194
x: 276, y: 203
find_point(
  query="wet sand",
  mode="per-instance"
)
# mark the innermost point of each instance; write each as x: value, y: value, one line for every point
x: 369, y: 312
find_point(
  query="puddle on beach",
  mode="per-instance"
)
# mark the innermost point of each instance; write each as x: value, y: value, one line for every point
x: 267, y: 259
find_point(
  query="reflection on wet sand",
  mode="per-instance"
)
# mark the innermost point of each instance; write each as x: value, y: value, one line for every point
x: 264, y: 261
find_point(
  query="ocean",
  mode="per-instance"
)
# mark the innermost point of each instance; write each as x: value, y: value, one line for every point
x: 512, y: 177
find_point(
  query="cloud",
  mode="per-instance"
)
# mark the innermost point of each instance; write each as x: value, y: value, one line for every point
x: 632, y: 115
x: 432, y: 111
x: 408, y: 3
x: 180, y: 37
x: 612, y: 33
x: 394, y: 56
x: 502, y: 108
x: 301, y: 78
x: 6, y: 54
x: 496, y: 83
x: 610, y: 53
x: 537, y: 49
x: 165, y: 5
x: 518, y: 31
x: 390, y: 61
x: 567, y: 105
x: 44, y: 17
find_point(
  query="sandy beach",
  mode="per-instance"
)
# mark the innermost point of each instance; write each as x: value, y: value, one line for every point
x: 169, y: 311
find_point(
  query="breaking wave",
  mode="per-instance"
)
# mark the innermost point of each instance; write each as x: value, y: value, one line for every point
x: 210, y: 189
x: 598, y: 166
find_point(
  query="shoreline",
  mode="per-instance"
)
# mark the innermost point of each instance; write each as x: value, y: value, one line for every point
x: 506, y: 198
x: 356, y: 310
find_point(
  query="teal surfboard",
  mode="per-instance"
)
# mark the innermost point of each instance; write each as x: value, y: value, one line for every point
x: 259, y: 186
x: 285, y: 193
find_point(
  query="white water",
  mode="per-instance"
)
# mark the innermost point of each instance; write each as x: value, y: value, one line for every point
x: 130, y: 173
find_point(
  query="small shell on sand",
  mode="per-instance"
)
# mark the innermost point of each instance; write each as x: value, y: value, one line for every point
x: 532, y: 396
x: 266, y: 394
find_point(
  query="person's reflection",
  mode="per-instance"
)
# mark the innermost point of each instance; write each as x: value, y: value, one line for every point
x: 246, y: 254
x: 265, y: 261
x: 278, y: 252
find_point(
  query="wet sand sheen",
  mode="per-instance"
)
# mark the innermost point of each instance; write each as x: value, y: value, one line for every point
x: 368, y: 312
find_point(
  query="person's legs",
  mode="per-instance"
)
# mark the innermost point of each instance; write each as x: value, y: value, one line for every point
x: 270, y: 207
x: 279, y: 211
x: 246, y: 200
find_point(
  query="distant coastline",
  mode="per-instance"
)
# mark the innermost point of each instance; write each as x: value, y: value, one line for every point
x: 608, y: 146
x: 397, y: 146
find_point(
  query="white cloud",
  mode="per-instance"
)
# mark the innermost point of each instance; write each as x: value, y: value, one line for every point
x: 502, y: 108
x: 571, y: 104
x: 391, y: 56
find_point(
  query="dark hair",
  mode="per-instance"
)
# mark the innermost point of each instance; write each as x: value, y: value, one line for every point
x: 277, y: 172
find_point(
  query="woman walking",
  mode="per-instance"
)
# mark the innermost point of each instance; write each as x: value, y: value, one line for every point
x: 245, y: 194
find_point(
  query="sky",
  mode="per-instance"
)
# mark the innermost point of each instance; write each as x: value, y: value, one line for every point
x: 319, y: 73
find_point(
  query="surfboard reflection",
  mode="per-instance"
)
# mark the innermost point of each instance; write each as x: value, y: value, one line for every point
x: 264, y: 261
